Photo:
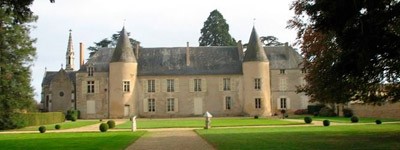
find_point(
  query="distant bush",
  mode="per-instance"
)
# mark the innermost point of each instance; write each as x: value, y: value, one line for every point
x: 307, y: 120
x: 354, y: 119
x: 301, y: 112
x: 19, y: 120
x: 256, y: 117
x: 314, y: 109
x: 378, y: 121
x: 347, y: 112
x: 111, y: 124
x: 326, y: 112
x: 57, y: 127
x: 326, y: 123
x: 42, y: 129
x: 103, y: 127
x: 72, y: 115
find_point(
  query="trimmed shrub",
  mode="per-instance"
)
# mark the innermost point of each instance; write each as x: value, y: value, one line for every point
x: 307, y: 120
x: 354, y: 119
x: 103, y: 127
x: 73, y: 118
x: 42, y: 129
x: 256, y: 117
x: 347, y: 113
x: 326, y: 123
x: 57, y: 127
x: 326, y: 112
x: 111, y: 124
x: 72, y: 115
x: 378, y: 121
x: 301, y: 112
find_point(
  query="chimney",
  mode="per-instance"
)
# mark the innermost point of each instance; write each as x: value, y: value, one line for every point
x: 137, y: 50
x: 81, y: 61
x: 187, y: 54
x: 240, y: 49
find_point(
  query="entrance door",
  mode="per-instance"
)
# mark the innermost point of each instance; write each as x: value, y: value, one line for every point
x: 198, y: 106
x: 126, y: 111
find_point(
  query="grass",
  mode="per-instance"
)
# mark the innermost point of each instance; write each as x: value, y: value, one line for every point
x: 344, y: 119
x: 64, y: 125
x: 86, y: 141
x: 384, y: 136
x: 200, y: 122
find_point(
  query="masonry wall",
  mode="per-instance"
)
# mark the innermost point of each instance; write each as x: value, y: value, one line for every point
x: 384, y: 111
x: 61, y: 90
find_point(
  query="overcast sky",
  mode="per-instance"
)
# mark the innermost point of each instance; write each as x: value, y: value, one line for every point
x: 155, y: 23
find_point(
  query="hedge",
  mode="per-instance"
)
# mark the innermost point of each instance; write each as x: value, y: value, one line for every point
x: 35, y: 119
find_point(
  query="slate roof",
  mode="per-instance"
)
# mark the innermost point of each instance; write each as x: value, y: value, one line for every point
x: 49, y: 75
x: 255, y: 51
x: 283, y: 57
x: 123, y: 50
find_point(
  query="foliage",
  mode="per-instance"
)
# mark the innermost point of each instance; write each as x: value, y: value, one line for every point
x: 16, y: 56
x: 354, y: 119
x: 346, y: 120
x: 215, y: 31
x: 326, y: 123
x: 72, y: 115
x: 378, y: 121
x: 64, y: 125
x: 326, y: 112
x: 42, y: 129
x: 270, y: 41
x: 347, y: 112
x: 301, y: 112
x: 111, y: 124
x: 307, y: 120
x: 34, y: 119
x: 108, y: 43
x: 57, y: 127
x: 314, y: 109
x: 351, y: 49
x: 77, y: 140
x: 103, y: 127
x: 256, y: 117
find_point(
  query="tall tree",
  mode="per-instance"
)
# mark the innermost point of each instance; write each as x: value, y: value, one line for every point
x: 351, y: 49
x: 270, y: 41
x: 16, y: 57
x: 110, y: 43
x: 215, y: 31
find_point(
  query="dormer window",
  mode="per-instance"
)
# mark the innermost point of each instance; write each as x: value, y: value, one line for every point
x: 282, y: 71
x: 90, y: 71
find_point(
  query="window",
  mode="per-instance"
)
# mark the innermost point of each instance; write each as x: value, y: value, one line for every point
x: 282, y: 71
x: 228, y: 103
x: 227, y: 84
x: 197, y: 85
x: 283, y: 103
x: 126, y: 86
x: 258, y: 102
x: 151, y: 105
x: 304, y: 70
x: 282, y: 84
x: 90, y: 86
x: 90, y: 71
x: 257, y: 83
x: 151, y: 86
x: 170, y: 104
x: 170, y: 85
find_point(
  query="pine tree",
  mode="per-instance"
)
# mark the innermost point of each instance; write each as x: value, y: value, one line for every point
x: 215, y: 31
x: 16, y: 56
x: 110, y: 43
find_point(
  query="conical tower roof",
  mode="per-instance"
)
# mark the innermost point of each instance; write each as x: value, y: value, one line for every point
x: 255, y: 50
x: 123, y: 51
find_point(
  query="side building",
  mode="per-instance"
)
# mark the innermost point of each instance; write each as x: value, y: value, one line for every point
x: 180, y: 81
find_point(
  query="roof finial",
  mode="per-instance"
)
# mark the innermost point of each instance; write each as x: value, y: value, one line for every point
x: 70, y: 30
x: 124, y: 22
x: 62, y: 66
x: 254, y: 22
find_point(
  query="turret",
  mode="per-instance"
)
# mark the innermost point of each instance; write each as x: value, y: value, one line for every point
x: 122, y: 79
x: 256, y: 78
x: 70, y: 55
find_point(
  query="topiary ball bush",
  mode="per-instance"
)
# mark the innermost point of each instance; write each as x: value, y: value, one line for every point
x: 111, y: 124
x: 57, y: 127
x: 307, y: 120
x: 378, y: 122
x: 73, y: 118
x: 326, y: 123
x: 103, y: 127
x: 42, y: 129
x: 354, y: 119
x: 255, y: 117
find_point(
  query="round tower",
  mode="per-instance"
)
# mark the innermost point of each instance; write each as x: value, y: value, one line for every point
x: 122, y: 79
x: 256, y: 79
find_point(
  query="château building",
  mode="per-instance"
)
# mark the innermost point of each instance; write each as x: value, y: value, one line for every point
x: 177, y: 81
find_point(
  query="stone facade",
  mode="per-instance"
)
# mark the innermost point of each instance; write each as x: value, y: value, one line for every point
x: 179, y: 81
x: 383, y: 111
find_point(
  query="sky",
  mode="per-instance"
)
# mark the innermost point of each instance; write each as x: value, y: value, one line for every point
x: 155, y: 23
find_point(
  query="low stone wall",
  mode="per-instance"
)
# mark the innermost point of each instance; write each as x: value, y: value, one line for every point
x: 384, y: 111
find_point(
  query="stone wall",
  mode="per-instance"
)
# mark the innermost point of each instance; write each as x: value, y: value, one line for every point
x: 384, y: 111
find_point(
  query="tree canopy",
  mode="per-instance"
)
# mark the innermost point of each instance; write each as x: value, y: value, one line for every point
x: 215, y: 31
x: 351, y: 49
x: 16, y: 57
x: 110, y: 43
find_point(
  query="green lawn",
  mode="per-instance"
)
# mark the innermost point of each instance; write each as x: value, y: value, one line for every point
x: 344, y: 119
x: 64, y: 125
x: 86, y: 141
x: 385, y: 136
x: 200, y: 122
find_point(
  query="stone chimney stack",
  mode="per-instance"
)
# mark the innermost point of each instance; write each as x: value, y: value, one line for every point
x: 137, y: 50
x: 81, y: 61
x: 187, y: 54
x: 240, y: 49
